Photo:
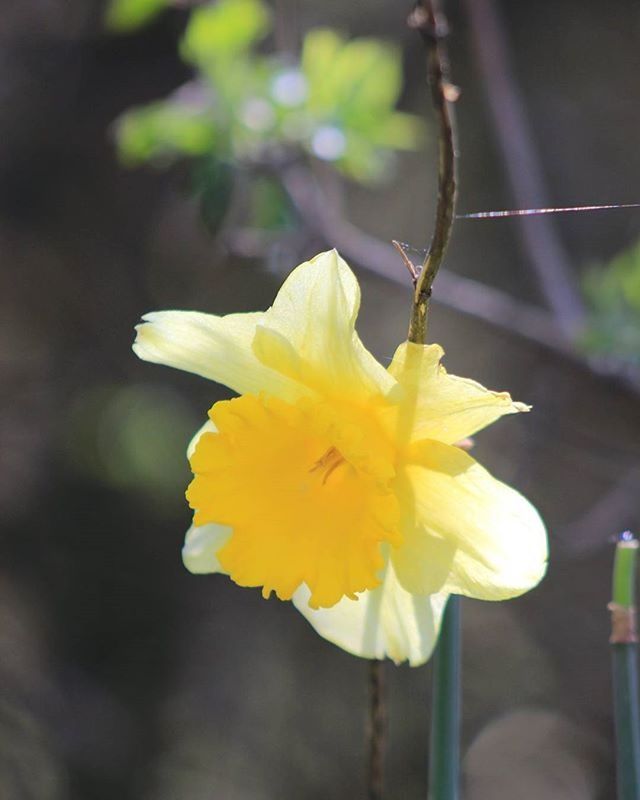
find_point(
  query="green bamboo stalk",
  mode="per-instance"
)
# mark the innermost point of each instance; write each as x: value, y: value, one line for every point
x: 624, y: 646
x: 444, y: 750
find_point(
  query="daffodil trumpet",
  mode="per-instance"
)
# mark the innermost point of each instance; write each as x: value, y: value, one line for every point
x: 335, y: 482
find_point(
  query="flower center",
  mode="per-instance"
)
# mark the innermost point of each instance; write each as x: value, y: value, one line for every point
x: 330, y: 460
x: 306, y: 489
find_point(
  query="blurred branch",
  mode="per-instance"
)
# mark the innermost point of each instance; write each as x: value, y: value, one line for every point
x: 460, y: 294
x: 464, y: 295
x: 431, y: 25
x: 540, y: 240
x: 613, y: 510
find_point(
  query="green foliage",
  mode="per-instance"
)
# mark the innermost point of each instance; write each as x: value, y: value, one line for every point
x: 129, y: 15
x: 613, y: 294
x: 354, y: 86
x: 212, y: 185
x: 224, y: 30
x: 165, y: 129
x: 337, y: 105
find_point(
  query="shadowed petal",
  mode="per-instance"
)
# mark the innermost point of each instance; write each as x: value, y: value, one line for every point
x: 384, y: 622
x: 208, y: 427
x: 436, y: 405
x: 201, y: 545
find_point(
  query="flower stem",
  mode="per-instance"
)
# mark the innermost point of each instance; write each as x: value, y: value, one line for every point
x: 444, y: 755
x: 624, y: 646
x: 377, y: 724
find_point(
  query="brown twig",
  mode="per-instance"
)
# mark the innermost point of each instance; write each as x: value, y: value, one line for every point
x: 376, y: 730
x: 431, y: 25
x: 546, y: 253
x: 411, y: 267
x: 463, y: 295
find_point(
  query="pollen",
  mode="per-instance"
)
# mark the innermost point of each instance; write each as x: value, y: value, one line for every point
x: 307, y: 491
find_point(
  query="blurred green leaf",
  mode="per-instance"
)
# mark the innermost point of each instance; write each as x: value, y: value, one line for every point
x: 213, y: 180
x: 338, y: 105
x: 128, y: 15
x: 270, y: 206
x: 165, y: 130
x: 132, y: 437
x: 354, y: 86
x: 224, y: 29
x: 613, y: 297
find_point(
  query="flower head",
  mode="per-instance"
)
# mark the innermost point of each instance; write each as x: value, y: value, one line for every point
x: 335, y: 482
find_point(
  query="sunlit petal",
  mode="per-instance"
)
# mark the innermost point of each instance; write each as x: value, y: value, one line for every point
x: 218, y: 348
x: 501, y: 540
x: 308, y: 334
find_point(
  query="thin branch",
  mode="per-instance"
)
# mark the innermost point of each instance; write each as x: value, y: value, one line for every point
x: 464, y: 295
x: 545, y: 250
x: 376, y: 730
x: 406, y: 261
x: 431, y: 25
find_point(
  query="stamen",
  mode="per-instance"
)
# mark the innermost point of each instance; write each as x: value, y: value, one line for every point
x: 329, y: 462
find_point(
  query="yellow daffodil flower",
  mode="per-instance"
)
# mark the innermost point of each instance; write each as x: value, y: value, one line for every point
x: 335, y: 482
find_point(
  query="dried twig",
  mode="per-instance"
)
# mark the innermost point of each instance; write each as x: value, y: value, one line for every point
x: 428, y: 21
x: 377, y: 725
x: 461, y: 294
x: 464, y: 295
x: 540, y: 240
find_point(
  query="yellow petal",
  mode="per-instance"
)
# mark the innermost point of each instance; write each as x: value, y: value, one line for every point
x: 201, y: 546
x: 436, y: 405
x: 384, y: 622
x: 309, y: 332
x: 307, y: 502
x: 218, y: 348
x: 423, y: 561
x: 501, y: 540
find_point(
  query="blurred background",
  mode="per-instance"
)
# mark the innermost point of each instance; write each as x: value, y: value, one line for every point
x: 158, y: 154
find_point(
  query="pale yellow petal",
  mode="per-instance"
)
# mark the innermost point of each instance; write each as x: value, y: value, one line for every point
x: 423, y: 561
x: 500, y: 539
x: 208, y: 427
x: 201, y: 545
x: 386, y: 622
x: 309, y: 332
x: 218, y: 348
x: 436, y: 405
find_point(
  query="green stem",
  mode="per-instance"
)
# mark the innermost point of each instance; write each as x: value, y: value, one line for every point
x: 444, y: 755
x: 625, y: 668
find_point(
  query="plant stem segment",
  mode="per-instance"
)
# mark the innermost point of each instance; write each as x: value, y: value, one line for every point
x: 624, y: 645
x: 444, y: 754
x: 431, y: 24
x: 376, y: 730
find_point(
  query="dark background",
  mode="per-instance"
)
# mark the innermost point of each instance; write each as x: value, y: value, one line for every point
x: 121, y: 675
